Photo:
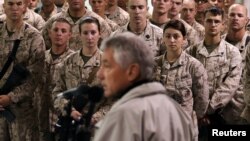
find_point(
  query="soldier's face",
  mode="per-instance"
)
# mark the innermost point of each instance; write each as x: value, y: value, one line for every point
x: 137, y: 10
x: 188, y: 12
x: 218, y: 3
x: 213, y: 24
x: 60, y: 34
x: 76, y: 4
x: 237, y: 18
x: 176, y: 7
x: 98, y: 6
x: 112, y: 76
x: 14, y: 9
x: 90, y: 35
x: 173, y: 39
x: 161, y: 6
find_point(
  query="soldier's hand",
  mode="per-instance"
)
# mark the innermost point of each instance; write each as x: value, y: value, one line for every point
x: 5, y: 100
x: 76, y: 115
x: 203, y: 121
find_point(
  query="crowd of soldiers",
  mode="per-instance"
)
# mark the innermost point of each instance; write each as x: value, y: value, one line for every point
x: 200, y: 48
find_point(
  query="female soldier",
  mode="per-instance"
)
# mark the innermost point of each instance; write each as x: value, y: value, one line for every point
x: 80, y: 69
x: 184, y: 77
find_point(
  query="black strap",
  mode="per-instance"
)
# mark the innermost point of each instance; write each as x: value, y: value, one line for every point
x: 10, y: 59
x: 247, y: 40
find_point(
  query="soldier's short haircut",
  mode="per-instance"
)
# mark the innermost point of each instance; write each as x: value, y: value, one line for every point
x: 129, y: 49
x: 214, y: 11
x: 62, y: 20
x: 176, y: 24
x: 89, y: 19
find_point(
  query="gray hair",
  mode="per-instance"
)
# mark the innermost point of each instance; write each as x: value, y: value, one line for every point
x: 128, y: 49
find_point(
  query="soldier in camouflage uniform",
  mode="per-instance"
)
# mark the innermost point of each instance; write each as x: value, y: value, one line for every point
x: 60, y: 34
x: 223, y: 64
x: 239, y: 37
x: 184, y: 77
x: 246, y: 112
x: 139, y: 25
x: 188, y: 13
x: 173, y: 13
x: 99, y: 7
x: 74, y: 15
x: 80, y: 69
x: 116, y: 14
x: 47, y: 9
x: 160, y: 18
x: 30, y: 54
x: 30, y: 17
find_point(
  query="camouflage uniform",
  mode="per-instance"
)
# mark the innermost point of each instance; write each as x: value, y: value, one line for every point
x: 75, y: 42
x: 40, y: 11
x: 114, y: 26
x: 119, y: 16
x: 30, y: 54
x: 152, y: 35
x: 224, y: 70
x: 199, y: 29
x: 236, y: 106
x: 74, y: 72
x: 51, y: 67
x: 246, y: 112
x: 32, y: 18
x: 64, y: 7
x: 186, y: 82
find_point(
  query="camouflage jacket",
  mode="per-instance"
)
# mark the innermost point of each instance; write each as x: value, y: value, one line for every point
x: 200, y: 30
x: 119, y: 16
x: 224, y: 70
x: 52, y: 67
x: 74, y: 72
x: 246, y: 112
x: 185, y: 81
x: 30, y: 54
x: 114, y: 26
x: 152, y: 35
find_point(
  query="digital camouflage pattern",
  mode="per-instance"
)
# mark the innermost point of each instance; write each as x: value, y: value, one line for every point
x: 119, y: 16
x: 74, y: 72
x: 30, y: 54
x: 224, y: 70
x: 152, y: 35
x: 46, y: 111
x: 200, y: 30
x: 114, y: 26
x: 236, y: 106
x: 186, y: 82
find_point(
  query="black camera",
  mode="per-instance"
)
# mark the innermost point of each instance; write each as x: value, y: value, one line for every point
x: 67, y: 128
